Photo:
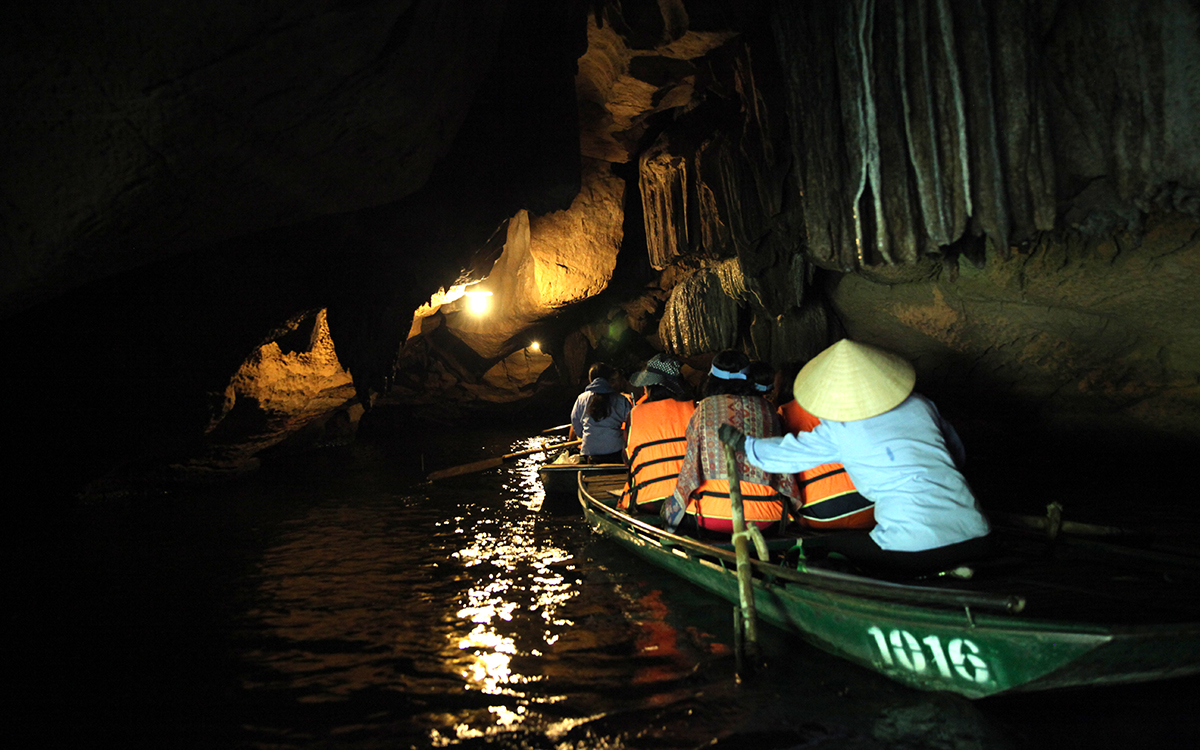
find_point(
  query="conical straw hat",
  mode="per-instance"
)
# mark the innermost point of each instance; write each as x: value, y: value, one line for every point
x: 850, y: 381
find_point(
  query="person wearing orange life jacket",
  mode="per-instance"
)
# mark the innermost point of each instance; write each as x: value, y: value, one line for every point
x: 831, y: 501
x: 701, y: 501
x: 657, y: 435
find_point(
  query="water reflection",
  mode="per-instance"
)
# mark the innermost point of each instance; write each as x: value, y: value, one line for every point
x: 524, y: 572
x: 321, y: 607
x: 465, y: 614
x: 389, y: 592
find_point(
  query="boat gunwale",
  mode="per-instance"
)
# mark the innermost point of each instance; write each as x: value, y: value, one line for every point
x: 827, y: 580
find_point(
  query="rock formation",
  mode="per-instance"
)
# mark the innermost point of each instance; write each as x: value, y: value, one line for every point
x: 1079, y: 336
x: 1003, y: 190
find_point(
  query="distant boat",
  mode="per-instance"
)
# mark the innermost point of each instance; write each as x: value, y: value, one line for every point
x: 560, y: 475
x: 1086, y: 615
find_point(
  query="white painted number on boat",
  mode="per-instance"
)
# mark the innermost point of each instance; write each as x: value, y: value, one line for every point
x: 959, y: 658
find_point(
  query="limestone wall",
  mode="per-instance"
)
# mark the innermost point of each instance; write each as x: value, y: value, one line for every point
x: 1096, y: 337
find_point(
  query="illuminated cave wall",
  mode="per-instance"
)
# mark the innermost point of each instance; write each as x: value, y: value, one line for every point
x: 1005, y: 191
x: 179, y: 182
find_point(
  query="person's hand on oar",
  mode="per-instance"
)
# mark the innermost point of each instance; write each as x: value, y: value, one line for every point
x: 732, y: 436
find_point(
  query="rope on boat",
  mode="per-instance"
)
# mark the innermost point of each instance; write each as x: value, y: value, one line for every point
x: 754, y: 534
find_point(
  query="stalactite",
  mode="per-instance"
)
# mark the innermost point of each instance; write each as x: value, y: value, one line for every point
x: 733, y: 282
x: 941, y: 126
x: 713, y: 186
x: 802, y: 36
x: 716, y: 209
x: 953, y: 124
x: 917, y: 90
x: 990, y: 215
x: 862, y: 147
x: 699, y: 316
x: 900, y: 236
x: 1014, y: 111
x: 662, y: 178
x: 1041, y: 166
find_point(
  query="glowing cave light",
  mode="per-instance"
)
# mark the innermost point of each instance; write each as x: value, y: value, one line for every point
x: 535, y: 346
x: 478, y: 302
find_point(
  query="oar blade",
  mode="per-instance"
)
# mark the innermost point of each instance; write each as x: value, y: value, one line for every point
x: 491, y: 463
x: 454, y: 471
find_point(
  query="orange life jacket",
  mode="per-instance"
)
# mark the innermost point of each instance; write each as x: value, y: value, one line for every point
x: 657, y: 443
x: 831, y: 501
x: 710, y: 505
x: 796, y: 419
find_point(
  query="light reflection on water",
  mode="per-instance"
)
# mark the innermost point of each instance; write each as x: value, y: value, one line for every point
x: 334, y: 603
x: 467, y: 613
x: 522, y: 576
x: 355, y: 594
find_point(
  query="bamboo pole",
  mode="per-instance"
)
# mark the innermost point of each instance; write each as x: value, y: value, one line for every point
x: 741, y: 549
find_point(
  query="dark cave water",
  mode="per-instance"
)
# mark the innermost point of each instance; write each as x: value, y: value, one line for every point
x: 335, y: 601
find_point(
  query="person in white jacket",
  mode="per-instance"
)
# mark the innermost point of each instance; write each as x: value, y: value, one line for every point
x: 899, y: 453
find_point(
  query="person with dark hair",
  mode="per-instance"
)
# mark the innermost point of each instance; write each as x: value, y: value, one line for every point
x: 657, y: 434
x: 701, y: 495
x: 831, y: 501
x: 728, y: 382
x: 900, y: 453
x: 762, y: 377
x: 599, y: 418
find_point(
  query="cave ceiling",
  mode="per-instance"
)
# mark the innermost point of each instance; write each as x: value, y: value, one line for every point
x: 217, y: 220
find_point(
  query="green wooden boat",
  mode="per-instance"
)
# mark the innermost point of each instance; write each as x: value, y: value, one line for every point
x: 970, y: 637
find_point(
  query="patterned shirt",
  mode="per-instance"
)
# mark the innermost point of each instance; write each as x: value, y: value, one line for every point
x: 705, y: 457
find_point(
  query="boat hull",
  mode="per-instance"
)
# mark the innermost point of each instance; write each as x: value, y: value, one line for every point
x: 958, y: 649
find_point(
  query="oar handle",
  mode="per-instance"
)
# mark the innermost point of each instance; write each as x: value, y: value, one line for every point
x: 748, y: 619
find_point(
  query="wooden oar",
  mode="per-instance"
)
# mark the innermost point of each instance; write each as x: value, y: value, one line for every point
x: 491, y: 463
x: 1042, y: 523
x: 559, y: 428
x: 747, y: 616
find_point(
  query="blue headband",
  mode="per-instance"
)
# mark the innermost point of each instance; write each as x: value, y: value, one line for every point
x: 762, y: 388
x: 725, y: 374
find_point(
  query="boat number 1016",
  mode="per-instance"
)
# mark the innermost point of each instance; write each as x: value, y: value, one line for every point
x: 959, y: 657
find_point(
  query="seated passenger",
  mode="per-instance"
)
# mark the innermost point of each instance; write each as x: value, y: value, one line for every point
x: 831, y: 501
x: 702, y: 493
x: 896, y: 448
x: 762, y: 380
x: 599, y: 418
x: 657, y: 435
